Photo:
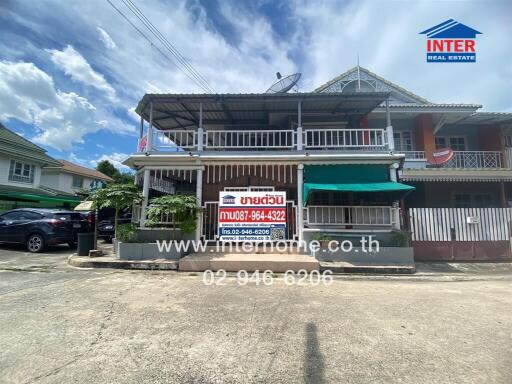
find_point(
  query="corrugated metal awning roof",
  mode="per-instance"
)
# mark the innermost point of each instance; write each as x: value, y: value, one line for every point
x: 488, y: 118
x: 182, y: 110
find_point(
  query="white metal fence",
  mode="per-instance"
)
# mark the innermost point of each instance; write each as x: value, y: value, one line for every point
x: 249, y: 139
x: 474, y: 159
x: 345, y: 138
x: 460, y: 224
x: 175, y: 140
x: 348, y: 215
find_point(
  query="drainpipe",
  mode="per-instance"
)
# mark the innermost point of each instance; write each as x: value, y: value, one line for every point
x: 389, y: 128
x: 199, y: 197
x: 145, y: 198
x: 300, y: 197
x: 200, y: 131
x: 299, y: 126
x: 149, y: 147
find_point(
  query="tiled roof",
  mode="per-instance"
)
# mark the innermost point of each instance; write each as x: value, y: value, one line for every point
x: 67, y: 166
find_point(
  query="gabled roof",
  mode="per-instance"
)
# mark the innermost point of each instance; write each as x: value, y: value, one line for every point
x: 450, y: 29
x: 381, y: 84
x: 15, y: 145
x: 67, y: 166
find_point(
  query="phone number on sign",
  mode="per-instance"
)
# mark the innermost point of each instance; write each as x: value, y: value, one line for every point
x: 227, y: 215
x: 301, y: 277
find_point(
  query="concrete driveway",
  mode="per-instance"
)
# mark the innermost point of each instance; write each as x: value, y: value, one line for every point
x: 62, y: 324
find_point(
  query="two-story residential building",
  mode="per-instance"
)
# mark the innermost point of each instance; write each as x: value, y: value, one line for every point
x: 21, y: 164
x: 72, y: 178
x: 350, y: 156
x: 459, y: 209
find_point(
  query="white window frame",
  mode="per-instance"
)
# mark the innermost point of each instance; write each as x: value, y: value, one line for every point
x: 447, y: 141
x: 73, y: 182
x: 19, y: 176
x: 400, y: 134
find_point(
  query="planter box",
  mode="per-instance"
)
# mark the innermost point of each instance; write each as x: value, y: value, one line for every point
x: 146, y: 251
x: 385, y: 255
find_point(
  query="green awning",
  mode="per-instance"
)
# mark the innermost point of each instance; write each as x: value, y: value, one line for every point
x: 34, y: 197
x: 350, y: 178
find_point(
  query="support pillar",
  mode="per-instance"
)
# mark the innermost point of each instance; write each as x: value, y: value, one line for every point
x: 389, y: 128
x: 199, y: 197
x: 200, y: 131
x: 149, y: 147
x: 300, y: 144
x: 145, y: 198
x: 300, y: 202
x: 392, y: 172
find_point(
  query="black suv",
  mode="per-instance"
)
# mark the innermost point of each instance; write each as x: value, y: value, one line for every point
x: 38, y: 228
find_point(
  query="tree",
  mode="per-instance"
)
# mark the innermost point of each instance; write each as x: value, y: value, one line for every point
x: 107, y: 168
x: 117, y: 196
x: 182, y: 208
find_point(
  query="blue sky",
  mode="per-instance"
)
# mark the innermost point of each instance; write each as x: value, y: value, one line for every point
x: 71, y: 72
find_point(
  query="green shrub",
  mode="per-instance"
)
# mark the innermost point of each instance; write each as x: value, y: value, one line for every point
x: 400, y: 239
x: 127, y: 233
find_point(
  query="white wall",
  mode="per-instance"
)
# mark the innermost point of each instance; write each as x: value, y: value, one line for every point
x: 62, y: 181
x: 5, y: 163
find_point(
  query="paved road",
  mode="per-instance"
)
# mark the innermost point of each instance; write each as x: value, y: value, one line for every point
x: 61, y: 324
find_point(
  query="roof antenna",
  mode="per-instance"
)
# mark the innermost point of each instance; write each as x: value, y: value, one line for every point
x: 358, y: 75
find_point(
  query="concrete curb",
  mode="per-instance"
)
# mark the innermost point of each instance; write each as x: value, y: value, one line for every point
x: 111, y: 262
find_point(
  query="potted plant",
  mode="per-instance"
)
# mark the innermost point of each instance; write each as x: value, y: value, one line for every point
x: 323, y: 239
x: 182, y: 208
x: 400, y: 239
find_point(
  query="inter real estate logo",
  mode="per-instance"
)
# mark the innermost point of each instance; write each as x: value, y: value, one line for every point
x: 451, y: 42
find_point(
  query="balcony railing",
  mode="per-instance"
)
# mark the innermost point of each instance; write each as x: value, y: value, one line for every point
x: 474, y: 159
x: 318, y: 215
x: 312, y: 139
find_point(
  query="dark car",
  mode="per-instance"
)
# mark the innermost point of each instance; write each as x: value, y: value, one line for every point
x: 106, y: 227
x: 38, y: 228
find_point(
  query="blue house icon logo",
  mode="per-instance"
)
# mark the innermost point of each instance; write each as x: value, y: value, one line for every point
x: 228, y: 199
x: 451, y: 42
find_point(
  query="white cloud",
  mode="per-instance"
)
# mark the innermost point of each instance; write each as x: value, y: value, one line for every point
x: 116, y: 159
x: 106, y: 39
x: 74, y: 64
x: 60, y: 118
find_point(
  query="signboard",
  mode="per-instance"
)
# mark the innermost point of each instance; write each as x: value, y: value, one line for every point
x: 252, y: 216
x: 143, y: 143
x: 473, y: 219
x: 442, y: 156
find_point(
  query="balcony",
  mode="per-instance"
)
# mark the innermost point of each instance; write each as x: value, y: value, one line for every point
x: 461, y: 159
x: 257, y: 140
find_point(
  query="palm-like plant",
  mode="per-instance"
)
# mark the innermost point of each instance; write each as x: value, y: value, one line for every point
x: 117, y: 196
x: 182, y: 208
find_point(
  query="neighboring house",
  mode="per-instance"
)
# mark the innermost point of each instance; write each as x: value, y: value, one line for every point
x: 72, y: 178
x: 339, y: 153
x: 20, y: 175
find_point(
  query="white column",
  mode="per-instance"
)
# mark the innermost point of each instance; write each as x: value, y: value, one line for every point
x: 150, y: 129
x: 300, y: 204
x: 392, y: 172
x: 145, y: 198
x: 199, y: 197
x: 389, y: 129
x: 300, y: 145
x: 200, y: 131
x: 395, y: 215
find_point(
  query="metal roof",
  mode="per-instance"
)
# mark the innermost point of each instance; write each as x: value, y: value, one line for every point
x: 181, y: 111
x: 488, y: 118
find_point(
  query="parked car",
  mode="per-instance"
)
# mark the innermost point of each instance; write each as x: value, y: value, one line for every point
x: 38, y: 228
x: 106, y: 227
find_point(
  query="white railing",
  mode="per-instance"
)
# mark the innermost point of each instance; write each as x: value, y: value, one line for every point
x: 175, y: 140
x: 345, y: 138
x: 474, y: 159
x: 249, y: 139
x: 348, y: 215
x: 413, y: 155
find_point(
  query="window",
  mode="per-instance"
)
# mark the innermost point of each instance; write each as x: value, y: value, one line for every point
x: 457, y: 143
x: 78, y: 182
x: 403, y: 141
x: 21, y: 172
x: 16, y: 215
x: 320, y: 198
x: 483, y: 201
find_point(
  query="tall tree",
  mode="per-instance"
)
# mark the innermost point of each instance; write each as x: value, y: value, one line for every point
x: 107, y: 168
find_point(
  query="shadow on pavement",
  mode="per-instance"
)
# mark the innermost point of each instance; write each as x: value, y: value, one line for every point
x: 314, y: 360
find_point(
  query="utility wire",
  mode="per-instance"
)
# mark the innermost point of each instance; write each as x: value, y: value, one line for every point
x: 186, y: 71
x: 166, y: 43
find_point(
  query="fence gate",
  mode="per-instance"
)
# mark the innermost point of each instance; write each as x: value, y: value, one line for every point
x: 461, y: 233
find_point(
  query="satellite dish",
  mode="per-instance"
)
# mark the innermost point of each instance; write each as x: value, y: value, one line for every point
x: 284, y: 84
